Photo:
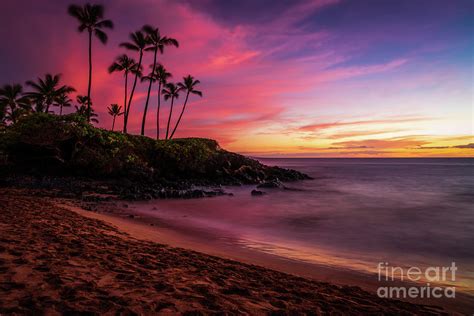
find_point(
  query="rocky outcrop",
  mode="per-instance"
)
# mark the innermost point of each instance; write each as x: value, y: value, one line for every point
x: 272, y: 184
x: 257, y: 193
x: 67, y: 146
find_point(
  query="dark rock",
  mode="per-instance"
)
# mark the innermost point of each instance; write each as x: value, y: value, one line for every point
x: 292, y: 189
x: 257, y: 193
x: 272, y: 184
x: 66, y: 156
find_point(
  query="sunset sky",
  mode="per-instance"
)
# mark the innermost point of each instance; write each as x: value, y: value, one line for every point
x: 297, y: 78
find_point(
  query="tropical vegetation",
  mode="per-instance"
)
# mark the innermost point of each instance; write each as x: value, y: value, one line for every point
x: 48, y: 94
x: 171, y: 91
x: 188, y: 85
x: 114, y: 110
x: 157, y: 43
x: 162, y: 76
x: 91, y: 19
x: 127, y: 65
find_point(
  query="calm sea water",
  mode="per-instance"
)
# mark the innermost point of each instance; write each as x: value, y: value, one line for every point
x: 354, y: 214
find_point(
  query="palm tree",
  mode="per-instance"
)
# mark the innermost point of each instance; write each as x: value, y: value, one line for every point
x: 138, y: 44
x: 151, y: 78
x: 47, y: 91
x: 114, y: 110
x: 62, y: 101
x: 170, y: 91
x: 188, y: 84
x: 83, y: 100
x: 12, y: 102
x: 90, y: 18
x: 83, y: 108
x: 156, y: 42
x: 162, y: 76
x: 15, y: 114
x: 127, y: 65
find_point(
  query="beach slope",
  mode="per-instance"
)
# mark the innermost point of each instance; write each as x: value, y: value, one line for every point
x: 53, y: 260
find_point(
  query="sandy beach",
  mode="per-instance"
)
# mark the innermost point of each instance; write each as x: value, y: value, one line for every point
x: 129, y: 217
x: 55, y: 260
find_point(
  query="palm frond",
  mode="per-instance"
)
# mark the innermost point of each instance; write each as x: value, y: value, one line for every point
x: 105, y: 24
x: 75, y: 11
x: 171, y: 42
x: 114, y: 67
x: 97, y: 11
x: 81, y: 28
x: 101, y: 35
x: 147, y: 28
x: 129, y: 46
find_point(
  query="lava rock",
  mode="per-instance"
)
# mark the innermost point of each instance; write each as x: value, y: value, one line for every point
x: 273, y: 184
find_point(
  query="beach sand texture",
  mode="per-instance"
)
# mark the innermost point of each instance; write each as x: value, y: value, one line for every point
x: 55, y: 261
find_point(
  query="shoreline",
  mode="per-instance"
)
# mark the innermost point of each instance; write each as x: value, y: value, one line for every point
x: 144, y: 227
x: 54, y: 260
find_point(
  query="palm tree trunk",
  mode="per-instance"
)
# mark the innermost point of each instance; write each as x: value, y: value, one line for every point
x: 181, y: 115
x: 125, y: 99
x: 127, y: 112
x: 90, y: 79
x: 148, y: 94
x: 113, y: 123
x: 61, y: 110
x: 169, y: 118
x: 158, y: 111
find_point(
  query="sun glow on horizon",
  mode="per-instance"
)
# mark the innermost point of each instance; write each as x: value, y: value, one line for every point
x: 299, y: 79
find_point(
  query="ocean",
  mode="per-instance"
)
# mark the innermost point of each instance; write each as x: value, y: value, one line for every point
x: 355, y: 214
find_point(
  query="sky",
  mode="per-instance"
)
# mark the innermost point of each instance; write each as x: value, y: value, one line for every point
x: 280, y: 78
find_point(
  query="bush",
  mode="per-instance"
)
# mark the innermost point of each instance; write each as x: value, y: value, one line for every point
x: 68, y: 145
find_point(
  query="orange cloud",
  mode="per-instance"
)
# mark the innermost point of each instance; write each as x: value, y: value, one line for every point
x: 322, y: 126
x: 398, y: 143
x: 361, y: 133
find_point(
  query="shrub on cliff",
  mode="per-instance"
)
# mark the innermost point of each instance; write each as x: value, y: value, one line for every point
x: 68, y: 145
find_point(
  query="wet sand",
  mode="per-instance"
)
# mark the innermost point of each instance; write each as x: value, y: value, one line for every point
x: 152, y: 228
x: 61, y: 259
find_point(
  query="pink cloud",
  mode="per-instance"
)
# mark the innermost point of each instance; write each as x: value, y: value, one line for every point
x: 272, y: 76
x: 322, y: 126
x: 393, y: 143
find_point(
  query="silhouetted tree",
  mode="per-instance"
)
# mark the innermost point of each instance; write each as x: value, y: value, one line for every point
x: 62, y: 101
x: 189, y: 85
x: 91, y: 18
x: 170, y: 91
x: 150, y: 78
x: 127, y: 65
x: 114, y: 110
x: 138, y: 43
x: 12, y: 103
x: 157, y: 43
x: 14, y: 115
x: 83, y: 100
x: 84, y: 110
x: 46, y: 91
x: 162, y: 76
